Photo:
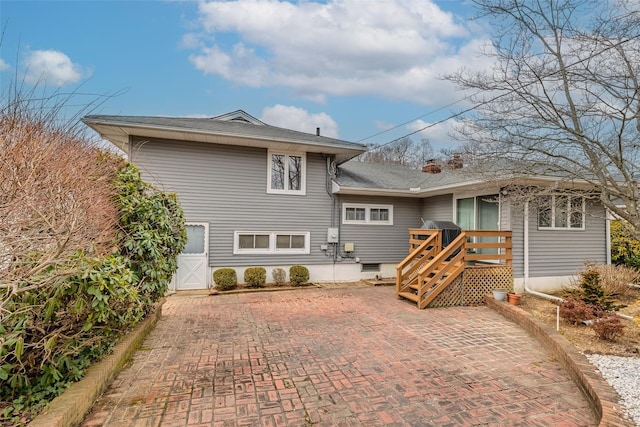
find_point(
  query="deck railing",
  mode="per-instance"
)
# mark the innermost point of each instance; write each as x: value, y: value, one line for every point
x: 491, y: 246
x: 421, y: 253
x: 429, y: 268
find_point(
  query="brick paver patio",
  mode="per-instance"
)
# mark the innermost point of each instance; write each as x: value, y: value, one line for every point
x: 337, y: 357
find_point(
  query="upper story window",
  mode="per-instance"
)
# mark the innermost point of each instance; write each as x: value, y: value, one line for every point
x: 561, y: 212
x: 287, y: 173
x: 367, y: 214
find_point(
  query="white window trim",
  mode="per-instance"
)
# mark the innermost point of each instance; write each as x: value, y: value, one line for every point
x: 367, y: 214
x: 272, y: 243
x: 303, y: 179
x: 553, y: 215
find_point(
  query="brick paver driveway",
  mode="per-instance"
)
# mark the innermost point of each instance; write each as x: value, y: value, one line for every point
x: 337, y: 357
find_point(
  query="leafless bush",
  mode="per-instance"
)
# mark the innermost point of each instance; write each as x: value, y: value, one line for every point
x: 608, y: 327
x: 55, y: 199
x: 615, y: 279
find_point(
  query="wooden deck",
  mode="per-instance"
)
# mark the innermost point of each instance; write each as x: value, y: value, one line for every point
x: 431, y: 272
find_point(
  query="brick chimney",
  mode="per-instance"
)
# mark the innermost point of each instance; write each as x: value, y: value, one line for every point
x: 431, y: 167
x: 455, y: 162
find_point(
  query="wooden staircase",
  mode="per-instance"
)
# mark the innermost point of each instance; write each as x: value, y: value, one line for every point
x: 429, y: 268
x: 434, y: 270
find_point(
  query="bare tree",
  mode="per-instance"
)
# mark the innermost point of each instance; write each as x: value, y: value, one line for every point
x: 563, y: 98
x: 403, y: 151
x: 424, y: 152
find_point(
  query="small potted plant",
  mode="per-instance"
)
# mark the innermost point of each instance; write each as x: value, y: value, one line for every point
x: 513, y: 298
x: 499, y: 294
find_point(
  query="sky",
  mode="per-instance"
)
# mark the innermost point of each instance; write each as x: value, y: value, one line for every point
x: 361, y: 70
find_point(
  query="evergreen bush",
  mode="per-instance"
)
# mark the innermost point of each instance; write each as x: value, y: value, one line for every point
x: 298, y: 274
x: 592, y: 291
x: 225, y: 278
x: 255, y: 277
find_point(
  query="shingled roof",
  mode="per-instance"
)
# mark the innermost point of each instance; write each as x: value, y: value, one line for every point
x: 355, y: 177
x: 236, y: 128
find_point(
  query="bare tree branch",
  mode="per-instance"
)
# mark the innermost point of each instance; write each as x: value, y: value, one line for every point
x: 563, y: 98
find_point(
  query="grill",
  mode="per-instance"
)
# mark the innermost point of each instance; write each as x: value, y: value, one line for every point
x: 449, y: 230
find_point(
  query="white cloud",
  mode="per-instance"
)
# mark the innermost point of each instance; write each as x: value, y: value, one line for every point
x: 3, y: 65
x: 396, y: 49
x: 241, y: 65
x: 384, y: 125
x: 190, y: 41
x: 299, y: 119
x: 52, y: 67
x: 440, y: 135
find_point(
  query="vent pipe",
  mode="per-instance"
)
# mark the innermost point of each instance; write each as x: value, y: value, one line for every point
x: 317, y: 131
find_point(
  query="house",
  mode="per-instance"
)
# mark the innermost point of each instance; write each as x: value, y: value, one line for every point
x: 259, y: 195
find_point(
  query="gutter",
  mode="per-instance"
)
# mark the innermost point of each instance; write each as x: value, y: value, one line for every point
x: 418, y: 192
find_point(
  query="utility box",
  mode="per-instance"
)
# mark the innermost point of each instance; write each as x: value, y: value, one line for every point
x: 332, y: 235
x: 349, y: 247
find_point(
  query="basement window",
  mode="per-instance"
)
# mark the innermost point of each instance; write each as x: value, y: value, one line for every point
x: 370, y: 267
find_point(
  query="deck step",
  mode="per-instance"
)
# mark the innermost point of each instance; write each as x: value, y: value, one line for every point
x: 415, y: 286
x: 409, y: 295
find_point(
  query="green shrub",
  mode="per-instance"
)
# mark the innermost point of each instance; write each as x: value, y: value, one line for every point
x: 152, y: 232
x: 625, y: 248
x: 592, y: 291
x: 298, y: 274
x: 279, y: 276
x: 55, y: 332
x: 255, y: 277
x: 225, y: 278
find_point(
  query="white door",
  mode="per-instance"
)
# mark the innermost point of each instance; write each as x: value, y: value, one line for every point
x: 193, y: 261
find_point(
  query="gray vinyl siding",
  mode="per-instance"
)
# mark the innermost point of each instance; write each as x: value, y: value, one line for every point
x: 559, y: 252
x: 517, y: 239
x: 382, y: 243
x: 225, y: 186
x: 438, y: 208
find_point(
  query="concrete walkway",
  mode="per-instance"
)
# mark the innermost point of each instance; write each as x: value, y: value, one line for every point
x: 337, y: 357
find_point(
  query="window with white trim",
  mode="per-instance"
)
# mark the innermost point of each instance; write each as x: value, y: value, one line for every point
x: 286, y: 173
x: 270, y: 242
x: 353, y: 213
x: 559, y: 212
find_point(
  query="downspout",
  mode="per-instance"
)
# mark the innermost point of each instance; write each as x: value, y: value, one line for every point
x: 526, y: 259
x: 328, y: 187
x: 607, y: 228
x: 129, y: 150
x: 526, y: 265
